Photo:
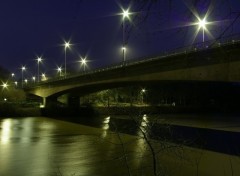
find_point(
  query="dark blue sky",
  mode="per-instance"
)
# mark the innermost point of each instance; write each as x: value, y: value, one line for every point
x: 39, y: 28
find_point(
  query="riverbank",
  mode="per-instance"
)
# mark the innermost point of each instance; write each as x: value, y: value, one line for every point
x: 134, y: 110
x: 9, y: 110
x: 17, y: 111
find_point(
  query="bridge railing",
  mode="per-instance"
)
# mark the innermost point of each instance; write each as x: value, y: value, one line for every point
x: 210, y: 44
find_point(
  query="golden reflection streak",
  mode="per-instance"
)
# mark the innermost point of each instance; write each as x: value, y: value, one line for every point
x: 5, y: 132
x: 105, y: 126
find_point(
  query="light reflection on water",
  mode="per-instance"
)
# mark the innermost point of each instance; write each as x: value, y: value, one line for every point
x: 42, y: 146
x: 5, y: 131
x: 143, y: 125
x: 105, y: 126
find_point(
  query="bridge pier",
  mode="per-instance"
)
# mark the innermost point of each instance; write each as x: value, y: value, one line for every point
x: 70, y: 100
x: 49, y: 101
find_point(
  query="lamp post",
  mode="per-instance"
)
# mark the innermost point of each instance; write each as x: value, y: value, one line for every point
x: 13, y: 75
x: 143, y: 92
x: 66, y: 45
x: 23, y: 69
x: 83, y: 63
x: 124, y: 54
x: 39, y: 59
x: 125, y: 14
x: 44, y: 77
x: 59, y: 70
x: 34, y: 79
x: 202, y: 24
x: 4, y: 85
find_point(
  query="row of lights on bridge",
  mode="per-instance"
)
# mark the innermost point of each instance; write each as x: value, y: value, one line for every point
x: 125, y: 15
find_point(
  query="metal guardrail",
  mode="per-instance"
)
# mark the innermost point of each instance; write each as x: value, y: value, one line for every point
x: 197, y: 47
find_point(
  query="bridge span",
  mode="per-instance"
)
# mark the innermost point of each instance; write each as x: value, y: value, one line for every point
x: 220, y: 63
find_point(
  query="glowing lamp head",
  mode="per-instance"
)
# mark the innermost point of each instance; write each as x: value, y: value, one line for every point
x: 59, y: 69
x: 67, y: 44
x: 5, y: 85
x: 23, y: 68
x: 83, y: 61
x: 202, y: 23
x: 39, y: 59
x: 125, y: 13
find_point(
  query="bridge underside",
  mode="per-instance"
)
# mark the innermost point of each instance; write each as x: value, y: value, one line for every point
x: 183, y: 93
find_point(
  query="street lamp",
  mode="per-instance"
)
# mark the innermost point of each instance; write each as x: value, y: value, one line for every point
x: 66, y: 45
x: 143, y: 92
x: 34, y: 79
x: 59, y: 70
x: 23, y: 69
x: 124, y: 54
x: 83, y: 63
x: 4, y: 85
x: 44, y: 78
x: 125, y: 14
x: 39, y: 59
x: 202, y: 24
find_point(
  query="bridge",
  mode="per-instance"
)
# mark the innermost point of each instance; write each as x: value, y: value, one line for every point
x: 218, y: 63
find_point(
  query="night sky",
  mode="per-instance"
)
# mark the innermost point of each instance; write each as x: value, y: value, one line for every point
x: 39, y: 28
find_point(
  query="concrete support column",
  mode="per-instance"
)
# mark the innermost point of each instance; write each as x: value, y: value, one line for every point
x: 44, y: 102
x: 49, y: 101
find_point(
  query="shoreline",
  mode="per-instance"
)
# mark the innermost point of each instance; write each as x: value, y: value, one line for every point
x: 9, y: 111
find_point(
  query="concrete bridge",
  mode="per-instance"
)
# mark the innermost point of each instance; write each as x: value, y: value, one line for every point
x: 218, y: 63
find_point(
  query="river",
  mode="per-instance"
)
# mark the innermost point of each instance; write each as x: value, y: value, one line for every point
x: 43, y: 146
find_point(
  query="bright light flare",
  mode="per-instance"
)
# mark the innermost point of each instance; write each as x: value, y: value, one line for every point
x: 84, y: 62
x: 5, y: 85
x: 67, y: 44
x: 39, y: 59
x: 23, y: 68
x: 125, y: 13
x: 202, y: 23
x: 59, y: 69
